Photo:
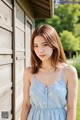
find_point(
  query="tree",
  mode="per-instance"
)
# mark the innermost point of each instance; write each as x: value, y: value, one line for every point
x: 65, y: 17
x: 69, y: 16
x: 76, y: 30
x: 69, y: 42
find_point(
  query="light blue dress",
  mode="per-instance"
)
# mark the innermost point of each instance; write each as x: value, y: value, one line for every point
x: 48, y: 102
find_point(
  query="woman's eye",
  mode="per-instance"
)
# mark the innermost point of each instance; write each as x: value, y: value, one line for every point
x: 45, y: 45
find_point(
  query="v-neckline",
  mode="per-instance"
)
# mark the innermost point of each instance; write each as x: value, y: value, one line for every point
x: 47, y: 86
x: 52, y: 84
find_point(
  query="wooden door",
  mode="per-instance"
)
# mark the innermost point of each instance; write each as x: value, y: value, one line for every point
x: 22, y: 42
x: 19, y: 61
x: 27, y: 41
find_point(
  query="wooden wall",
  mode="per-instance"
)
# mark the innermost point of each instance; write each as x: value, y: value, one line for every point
x: 24, y: 27
x: 16, y: 27
x: 6, y: 57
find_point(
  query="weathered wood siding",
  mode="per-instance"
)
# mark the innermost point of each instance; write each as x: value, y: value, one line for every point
x: 19, y: 51
x: 23, y: 27
x: 6, y: 59
x: 16, y: 25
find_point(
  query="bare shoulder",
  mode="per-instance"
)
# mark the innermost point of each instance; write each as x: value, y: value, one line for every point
x: 70, y: 69
x: 27, y: 72
x: 71, y: 74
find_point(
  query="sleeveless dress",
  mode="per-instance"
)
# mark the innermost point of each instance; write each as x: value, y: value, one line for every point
x: 48, y: 102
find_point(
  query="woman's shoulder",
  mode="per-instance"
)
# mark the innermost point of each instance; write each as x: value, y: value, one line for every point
x: 70, y: 68
x: 27, y: 71
x: 28, y: 74
x: 71, y: 73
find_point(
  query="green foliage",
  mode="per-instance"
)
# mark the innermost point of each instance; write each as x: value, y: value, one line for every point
x: 54, y: 22
x: 76, y: 30
x: 39, y: 22
x: 66, y: 21
x: 69, y: 16
x: 79, y: 41
x: 69, y: 42
x: 76, y: 64
x: 65, y: 18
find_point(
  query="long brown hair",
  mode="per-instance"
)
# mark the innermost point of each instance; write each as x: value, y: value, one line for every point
x: 52, y: 38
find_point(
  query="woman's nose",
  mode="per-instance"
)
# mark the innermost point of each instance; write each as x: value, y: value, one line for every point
x: 41, y: 49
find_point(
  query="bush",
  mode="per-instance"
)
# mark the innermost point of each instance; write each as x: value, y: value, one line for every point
x: 76, y: 64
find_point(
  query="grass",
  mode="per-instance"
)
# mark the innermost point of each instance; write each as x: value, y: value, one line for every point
x: 78, y: 104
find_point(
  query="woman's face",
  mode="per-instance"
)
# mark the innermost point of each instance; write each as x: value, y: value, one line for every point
x: 42, y: 49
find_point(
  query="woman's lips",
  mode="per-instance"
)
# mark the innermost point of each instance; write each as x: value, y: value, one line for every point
x: 42, y: 55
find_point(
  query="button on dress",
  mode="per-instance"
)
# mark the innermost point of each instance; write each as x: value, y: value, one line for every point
x: 48, y: 102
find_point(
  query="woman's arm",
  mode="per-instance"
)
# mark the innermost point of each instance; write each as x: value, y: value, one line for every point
x: 26, y: 100
x: 72, y: 93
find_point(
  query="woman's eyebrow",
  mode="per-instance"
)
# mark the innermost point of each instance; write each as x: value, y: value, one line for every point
x: 41, y: 43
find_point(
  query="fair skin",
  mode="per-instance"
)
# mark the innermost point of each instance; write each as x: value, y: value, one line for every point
x: 47, y: 77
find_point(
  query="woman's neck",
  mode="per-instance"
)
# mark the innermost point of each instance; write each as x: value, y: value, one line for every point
x: 46, y: 65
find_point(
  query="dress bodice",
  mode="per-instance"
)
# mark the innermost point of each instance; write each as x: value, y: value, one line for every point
x: 52, y: 97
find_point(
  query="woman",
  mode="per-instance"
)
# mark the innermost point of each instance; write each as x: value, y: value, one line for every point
x: 50, y: 84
